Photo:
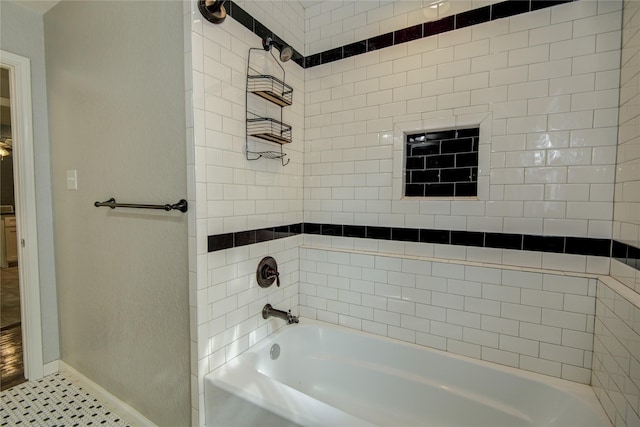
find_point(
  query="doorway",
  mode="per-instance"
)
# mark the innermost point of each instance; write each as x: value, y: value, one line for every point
x: 19, y: 229
x: 11, y: 349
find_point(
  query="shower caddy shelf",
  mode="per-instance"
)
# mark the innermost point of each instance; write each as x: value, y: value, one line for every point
x: 270, y: 88
x: 269, y: 129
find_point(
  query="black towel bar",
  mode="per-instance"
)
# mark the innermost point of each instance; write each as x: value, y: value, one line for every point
x: 181, y: 206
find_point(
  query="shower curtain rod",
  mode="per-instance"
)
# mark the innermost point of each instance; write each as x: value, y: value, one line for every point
x: 181, y: 206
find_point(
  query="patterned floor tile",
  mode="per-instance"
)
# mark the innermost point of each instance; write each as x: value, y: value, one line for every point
x: 54, y: 401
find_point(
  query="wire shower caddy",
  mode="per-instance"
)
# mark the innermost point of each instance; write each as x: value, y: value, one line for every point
x: 275, y: 91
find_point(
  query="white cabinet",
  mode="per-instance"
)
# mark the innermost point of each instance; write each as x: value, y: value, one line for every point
x: 10, y: 253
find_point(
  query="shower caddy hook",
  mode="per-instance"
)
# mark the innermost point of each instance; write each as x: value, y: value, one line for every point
x: 275, y: 91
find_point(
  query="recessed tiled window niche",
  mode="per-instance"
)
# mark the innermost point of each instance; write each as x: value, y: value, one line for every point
x: 456, y: 151
x: 442, y: 163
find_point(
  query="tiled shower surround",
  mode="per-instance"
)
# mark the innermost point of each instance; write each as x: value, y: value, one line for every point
x: 534, y: 320
x: 542, y: 87
x: 616, y: 361
x: 626, y: 225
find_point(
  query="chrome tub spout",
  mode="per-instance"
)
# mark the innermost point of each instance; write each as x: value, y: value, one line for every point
x: 269, y: 311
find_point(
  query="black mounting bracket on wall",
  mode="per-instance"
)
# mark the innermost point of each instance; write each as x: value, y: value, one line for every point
x: 212, y: 11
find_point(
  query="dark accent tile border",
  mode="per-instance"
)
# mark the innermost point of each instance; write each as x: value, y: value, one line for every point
x: 473, y: 17
x: 407, y: 34
x: 622, y: 252
x: 587, y: 246
x: 442, y: 237
x: 379, y: 42
x: 619, y: 251
x: 440, y: 26
x: 461, y: 20
x: 509, y: 8
x: 626, y: 254
x: 503, y: 240
x: 543, y: 243
x: 381, y: 233
x: 219, y: 242
x: 354, y: 49
x: 467, y: 238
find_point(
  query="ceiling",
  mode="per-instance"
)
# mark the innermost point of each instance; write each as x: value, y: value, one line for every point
x: 43, y: 6
x: 40, y: 6
x: 309, y: 3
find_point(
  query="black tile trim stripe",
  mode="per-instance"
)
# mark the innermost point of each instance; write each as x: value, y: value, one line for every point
x: 219, y: 242
x: 626, y: 254
x: 630, y: 255
x: 468, y: 18
x: 555, y: 244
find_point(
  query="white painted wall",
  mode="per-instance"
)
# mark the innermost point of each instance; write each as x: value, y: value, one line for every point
x: 21, y: 32
x: 115, y: 86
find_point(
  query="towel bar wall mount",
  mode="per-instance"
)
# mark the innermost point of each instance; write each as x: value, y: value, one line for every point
x: 181, y: 206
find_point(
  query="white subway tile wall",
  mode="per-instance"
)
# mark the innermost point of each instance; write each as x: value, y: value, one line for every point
x: 228, y: 193
x: 532, y: 319
x: 239, y: 194
x: 626, y: 227
x: 229, y: 304
x: 626, y: 274
x: 616, y: 360
x: 335, y: 23
x: 541, y: 87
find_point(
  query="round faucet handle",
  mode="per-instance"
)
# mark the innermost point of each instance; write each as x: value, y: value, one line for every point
x: 267, y: 272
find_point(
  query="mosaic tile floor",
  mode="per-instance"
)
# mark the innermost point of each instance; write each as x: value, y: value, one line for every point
x: 54, y: 401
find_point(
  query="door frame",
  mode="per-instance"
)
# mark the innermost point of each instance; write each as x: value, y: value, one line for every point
x: 26, y: 227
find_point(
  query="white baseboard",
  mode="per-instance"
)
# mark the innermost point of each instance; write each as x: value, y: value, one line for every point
x: 51, y: 368
x: 130, y: 415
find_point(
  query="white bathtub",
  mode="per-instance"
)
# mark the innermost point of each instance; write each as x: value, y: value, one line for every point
x: 326, y: 375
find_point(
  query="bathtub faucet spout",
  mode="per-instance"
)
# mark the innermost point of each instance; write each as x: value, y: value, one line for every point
x: 269, y: 311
